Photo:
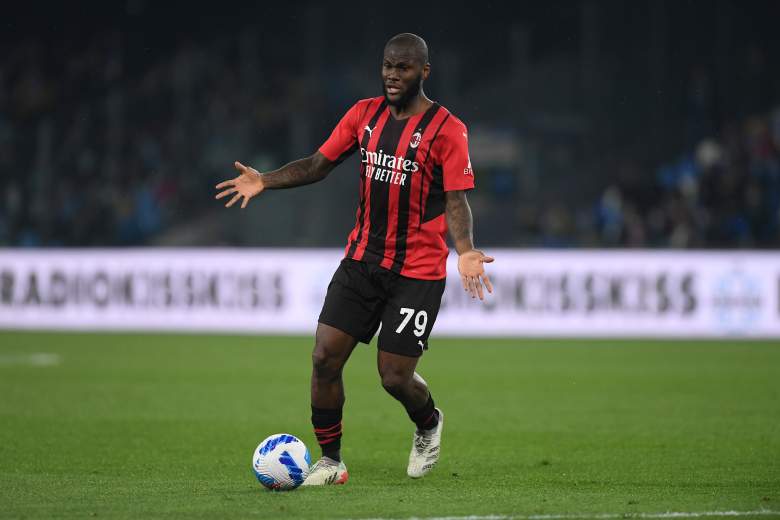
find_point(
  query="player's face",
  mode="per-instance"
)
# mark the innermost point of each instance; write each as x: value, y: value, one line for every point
x: 402, y: 76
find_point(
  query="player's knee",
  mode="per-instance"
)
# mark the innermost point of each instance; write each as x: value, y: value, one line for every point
x: 395, y: 383
x: 325, y: 365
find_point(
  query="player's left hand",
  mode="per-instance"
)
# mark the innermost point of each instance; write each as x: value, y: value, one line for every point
x: 472, y: 272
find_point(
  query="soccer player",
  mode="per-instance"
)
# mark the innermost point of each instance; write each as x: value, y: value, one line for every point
x: 414, y: 174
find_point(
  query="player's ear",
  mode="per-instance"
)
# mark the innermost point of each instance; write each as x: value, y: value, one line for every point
x: 426, y: 71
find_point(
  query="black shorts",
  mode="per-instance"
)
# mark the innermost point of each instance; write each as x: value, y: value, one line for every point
x: 361, y: 296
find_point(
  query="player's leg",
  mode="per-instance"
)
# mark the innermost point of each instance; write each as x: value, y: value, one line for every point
x: 406, y: 324
x: 401, y: 381
x: 350, y: 314
x: 332, y: 348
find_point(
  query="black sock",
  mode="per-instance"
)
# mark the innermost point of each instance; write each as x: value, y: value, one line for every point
x: 426, y: 417
x: 327, y: 428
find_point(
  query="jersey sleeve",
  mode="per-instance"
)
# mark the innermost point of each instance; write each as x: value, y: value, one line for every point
x: 343, y: 139
x: 454, y: 157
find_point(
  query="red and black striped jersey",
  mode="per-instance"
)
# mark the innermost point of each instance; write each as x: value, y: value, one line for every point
x: 406, y: 167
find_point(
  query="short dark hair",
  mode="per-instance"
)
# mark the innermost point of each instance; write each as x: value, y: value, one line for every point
x: 412, y: 42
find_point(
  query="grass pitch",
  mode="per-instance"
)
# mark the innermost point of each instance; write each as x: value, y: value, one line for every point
x: 143, y: 426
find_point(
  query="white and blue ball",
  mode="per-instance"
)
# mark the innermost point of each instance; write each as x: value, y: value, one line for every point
x: 281, y: 462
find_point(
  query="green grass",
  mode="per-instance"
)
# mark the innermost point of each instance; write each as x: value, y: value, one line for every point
x: 141, y: 426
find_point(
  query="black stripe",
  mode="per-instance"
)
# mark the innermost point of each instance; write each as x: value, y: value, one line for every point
x: 363, y: 145
x: 434, y: 204
x: 377, y: 232
x: 402, y: 229
x: 425, y: 162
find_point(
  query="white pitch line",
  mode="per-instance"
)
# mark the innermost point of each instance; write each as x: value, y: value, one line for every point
x: 598, y: 516
x: 36, y: 359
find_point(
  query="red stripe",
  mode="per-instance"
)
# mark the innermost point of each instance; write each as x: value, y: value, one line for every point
x: 372, y: 143
x: 327, y: 441
x: 324, y: 431
x: 337, y: 425
x: 371, y: 111
x: 366, y: 223
x: 328, y: 432
x: 358, y: 218
x: 321, y: 436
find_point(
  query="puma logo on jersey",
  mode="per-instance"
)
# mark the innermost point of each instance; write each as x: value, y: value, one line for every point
x: 369, y: 130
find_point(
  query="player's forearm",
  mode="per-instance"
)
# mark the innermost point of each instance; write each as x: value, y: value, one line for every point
x: 460, y: 221
x: 296, y: 173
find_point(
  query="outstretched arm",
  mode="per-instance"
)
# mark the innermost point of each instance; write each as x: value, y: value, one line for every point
x: 299, y: 173
x: 251, y: 182
x: 470, y: 261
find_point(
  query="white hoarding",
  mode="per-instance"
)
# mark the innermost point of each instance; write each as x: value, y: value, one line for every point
x: 537, y: 293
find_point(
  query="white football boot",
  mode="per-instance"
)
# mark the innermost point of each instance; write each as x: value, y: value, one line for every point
x: 326, y: 471
x: 425, y: 450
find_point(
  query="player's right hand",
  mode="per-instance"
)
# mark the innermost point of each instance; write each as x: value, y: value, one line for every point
x: 247, y: 185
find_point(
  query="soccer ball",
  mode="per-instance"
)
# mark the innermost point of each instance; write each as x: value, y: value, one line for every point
x: 281, y: 462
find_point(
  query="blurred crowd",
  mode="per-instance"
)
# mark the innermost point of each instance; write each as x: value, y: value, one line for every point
x: 723, y: 193
x: 99, y: 151
x: 92, y: 153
